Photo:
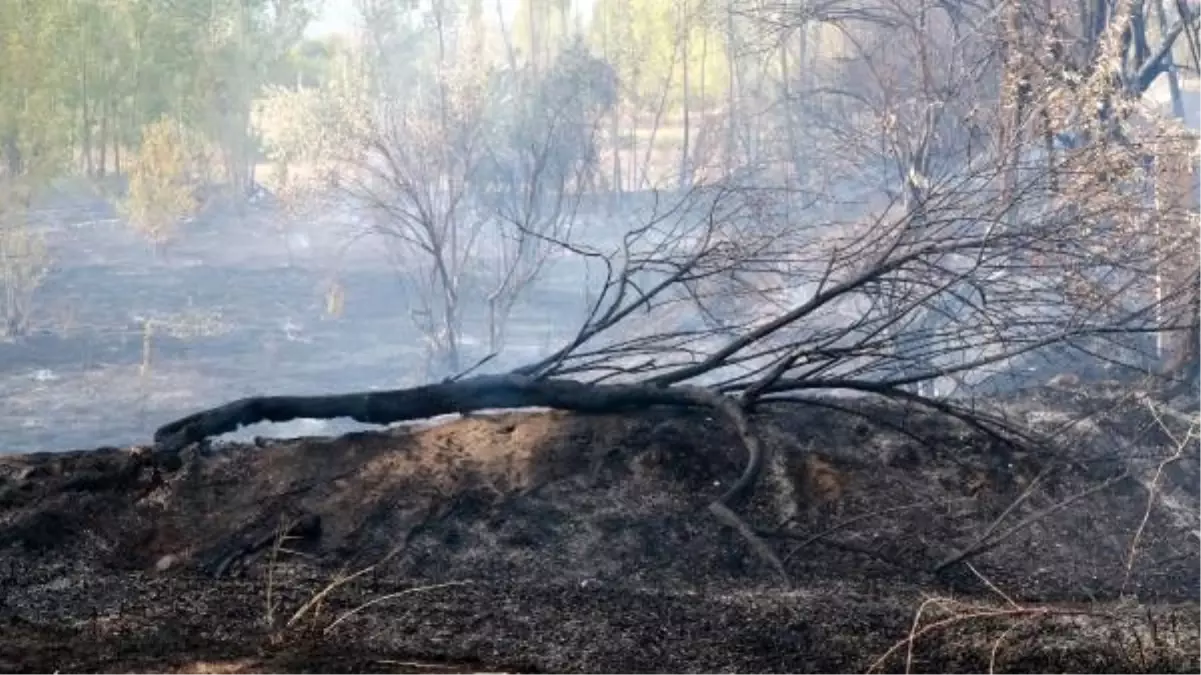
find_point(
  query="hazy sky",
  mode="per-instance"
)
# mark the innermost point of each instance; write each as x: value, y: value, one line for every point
x: 340, y: 15
x: 336, y: 16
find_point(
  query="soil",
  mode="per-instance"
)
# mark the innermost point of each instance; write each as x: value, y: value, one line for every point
x: 238, y: 307
x: 547, y: 541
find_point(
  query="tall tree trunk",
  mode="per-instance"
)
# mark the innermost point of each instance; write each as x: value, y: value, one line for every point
x: 794, y: 151
x: 615, y: 139
x: 12, y: 153
x: 116, y: 139
x: 443, y: 105
x: 510, y: 52
x: 752, y: 130
x: 103, y: 141
x: 1188, y: 350
x: 632, y: 170
x: 685, y: 160
x: 644, y: 171
x: 731, y: 94
x: 1012, y: 98
x: 532, y: 20
x: 804, y: 84
x: 85, y: 122
x: 615, y: 184
x: 564, y: 20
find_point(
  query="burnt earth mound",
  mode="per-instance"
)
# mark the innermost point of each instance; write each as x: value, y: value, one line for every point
x: 562, y: 542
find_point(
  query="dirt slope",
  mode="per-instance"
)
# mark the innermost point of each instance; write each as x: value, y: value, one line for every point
x: 557, y: 542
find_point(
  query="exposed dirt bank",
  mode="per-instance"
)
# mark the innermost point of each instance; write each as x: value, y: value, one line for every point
x: 556, y: 542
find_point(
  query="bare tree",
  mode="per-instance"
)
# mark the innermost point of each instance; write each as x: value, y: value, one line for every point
x: 950, y: 264
x: 925, y: 90
x: 812, y: 310
x: 469, y: 183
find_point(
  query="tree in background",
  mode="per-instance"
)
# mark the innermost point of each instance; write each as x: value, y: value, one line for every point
x: 671, y: 63
x: 304, y: 130
x: 34, y: 116
x: 467, y: 178
x: 547, y: 119
x: 35, y: 143
x: 964, y: 245
x: 24, y: 259
x: 160, y: 184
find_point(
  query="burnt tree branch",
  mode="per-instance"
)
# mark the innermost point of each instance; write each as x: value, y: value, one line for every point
x: 443, y: 398
x: 460, y: 396
x: 479, y: 393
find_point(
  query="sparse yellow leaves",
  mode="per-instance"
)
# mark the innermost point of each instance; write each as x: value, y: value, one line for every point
x: 160, y: 183
x: 308, y: 134
x: 24, y: 260
x: 335, y: 299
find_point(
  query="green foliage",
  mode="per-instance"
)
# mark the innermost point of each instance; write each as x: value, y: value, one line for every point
x: 542, y: 126
x: 541, y: 28
x: 648, y: 41
x: 80, y: 79
x: 307, y: 132
x: 160, y: 183
x: 34, y: 128
x: 306, y: 65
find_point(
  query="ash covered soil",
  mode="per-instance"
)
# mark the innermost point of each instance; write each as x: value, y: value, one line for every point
x: 236, y: 306
x: 547, y: 541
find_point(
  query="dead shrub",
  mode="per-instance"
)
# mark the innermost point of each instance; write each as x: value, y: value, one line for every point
x: 24, y: 261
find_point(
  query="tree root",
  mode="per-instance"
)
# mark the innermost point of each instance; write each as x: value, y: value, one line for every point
x: 726, y: 516
x: 487, y: 392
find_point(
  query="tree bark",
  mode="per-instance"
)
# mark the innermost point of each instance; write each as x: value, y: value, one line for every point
x: 488, y: 392
x: 116, y: 139
x: 685, y: 160
x: 790, y: 122
x: 443, y: 398
x: 731, y: 98
x: 86, y: 121
x: 102, y: 165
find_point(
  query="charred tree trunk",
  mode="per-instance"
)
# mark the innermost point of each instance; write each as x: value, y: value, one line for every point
x: 490, y: 392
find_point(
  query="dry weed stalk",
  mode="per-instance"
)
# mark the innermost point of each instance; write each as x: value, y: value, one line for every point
x: 147, y: 337
x: 314, y: 604
x: 281, y: 535
x: 341, y: 578
x: 1181, y: 445
x: 964, y: 612
x: 391, y: 596
x: 985, y: 543
x: 180, y: 325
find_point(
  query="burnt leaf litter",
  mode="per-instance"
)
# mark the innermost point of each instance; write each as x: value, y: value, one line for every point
x: 556, y: 542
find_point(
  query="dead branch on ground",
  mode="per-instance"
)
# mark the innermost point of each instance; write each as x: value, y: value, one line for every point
x: 988, y: 249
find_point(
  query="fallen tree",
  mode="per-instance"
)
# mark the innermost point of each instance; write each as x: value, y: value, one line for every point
x: 721, y: 299
x: 641, y: 344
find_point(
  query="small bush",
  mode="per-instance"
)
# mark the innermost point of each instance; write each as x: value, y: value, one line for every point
x: 24, y: 260
x: 160, y: 183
